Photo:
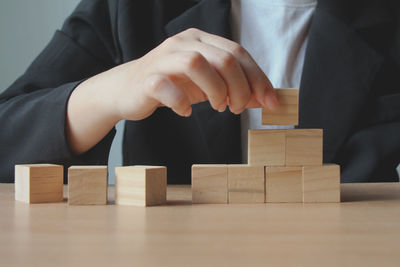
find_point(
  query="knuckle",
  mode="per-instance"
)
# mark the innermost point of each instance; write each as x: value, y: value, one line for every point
x: 173, y: 40
x: 191, y: 31
x: 228, y: 61
x: 238, y: 50
x: 194, y: 60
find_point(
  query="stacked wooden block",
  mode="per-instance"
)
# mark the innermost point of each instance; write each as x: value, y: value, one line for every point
x: 87, y: 185
x: 283, y: 165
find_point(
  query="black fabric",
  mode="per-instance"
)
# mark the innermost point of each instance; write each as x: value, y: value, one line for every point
x: 349, y: 88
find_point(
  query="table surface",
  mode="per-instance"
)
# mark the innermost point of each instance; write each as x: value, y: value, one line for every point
x: 363, y: 230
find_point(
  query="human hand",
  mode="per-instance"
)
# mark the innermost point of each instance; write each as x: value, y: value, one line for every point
x: 190, y: 67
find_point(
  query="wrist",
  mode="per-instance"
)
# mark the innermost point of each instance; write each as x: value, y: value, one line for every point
x: 99, y: 93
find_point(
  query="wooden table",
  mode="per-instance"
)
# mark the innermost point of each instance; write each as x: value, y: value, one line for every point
x: 363, y: 230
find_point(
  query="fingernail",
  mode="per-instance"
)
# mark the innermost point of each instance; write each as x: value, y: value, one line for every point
x: 237, y: 112
x: 271, y: 100
x: 222, y: 107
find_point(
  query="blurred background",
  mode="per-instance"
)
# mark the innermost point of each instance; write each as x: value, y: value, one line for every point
x: 26, y: 27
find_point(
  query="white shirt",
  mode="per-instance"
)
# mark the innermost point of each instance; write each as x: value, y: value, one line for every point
x: 274, y: 32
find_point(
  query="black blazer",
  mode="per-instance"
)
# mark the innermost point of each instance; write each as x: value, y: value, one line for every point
x: 350, y: 88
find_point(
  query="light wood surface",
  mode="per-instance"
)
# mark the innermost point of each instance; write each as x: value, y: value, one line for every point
x: 287, y: 113
x: 210, y: 183
x: 87, y: 185
x: 363, y: 230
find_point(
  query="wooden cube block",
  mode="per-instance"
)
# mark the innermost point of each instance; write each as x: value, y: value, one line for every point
x: 246, y: 184
x: 87, y: 185
x: 39, y: 183
x: 140, y: 185
x: 303, y: 147
x: 209, y: 184
x: 287, y: 113
x: 321, y: 183
x: 266, y: 147
x: 283, y: 184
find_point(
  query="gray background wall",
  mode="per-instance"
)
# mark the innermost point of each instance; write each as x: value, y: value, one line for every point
x: 26, y: 26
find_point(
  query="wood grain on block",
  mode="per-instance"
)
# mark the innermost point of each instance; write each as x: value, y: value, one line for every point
x: 304, y: 147
x: 321, y: 183
x: 283, y: 184
x: 266, y: 147
x: 287, y: 113
x: 39, y: 183
x: 87, y: 185
x: 140, y: 185
x: 209, y: 184
x: 246, y: 184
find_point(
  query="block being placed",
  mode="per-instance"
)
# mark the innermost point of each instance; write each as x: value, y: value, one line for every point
x: 266, y: 147
x: 303, y: 147
x: 287, y: 113
x: 209, y: 184
x: 283, y: 184
x: 87, y: 185
x: 140, y: 185
x: 39, y: 183
x: 246, y: 184
x: 321, y: 183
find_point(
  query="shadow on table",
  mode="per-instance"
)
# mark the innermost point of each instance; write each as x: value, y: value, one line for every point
x: 179, y: 202
x: 368, y: 197
x: 169, y: 202
x: 370, y: 192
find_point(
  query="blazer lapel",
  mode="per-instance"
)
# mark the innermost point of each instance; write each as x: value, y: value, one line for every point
x: 338, y: 72
x: 220, y: 131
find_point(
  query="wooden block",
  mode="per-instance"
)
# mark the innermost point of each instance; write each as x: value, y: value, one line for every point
x: 141, y: 185
x: 287, y: 113
x: 283, y: 184
x: 266, y: 147
x: 87, y: 185
x: 39, y: 183
x: 303, y: 147
x: 321, y: 183
x: 246, y: 184
x: 209, y: 184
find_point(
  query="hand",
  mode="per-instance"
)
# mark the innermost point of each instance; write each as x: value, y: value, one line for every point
x: 188, y: 68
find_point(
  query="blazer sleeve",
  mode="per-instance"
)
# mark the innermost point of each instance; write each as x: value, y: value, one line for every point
x: 33, y: 108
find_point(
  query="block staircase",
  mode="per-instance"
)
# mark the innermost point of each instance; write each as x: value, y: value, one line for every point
x: 284, y: 166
